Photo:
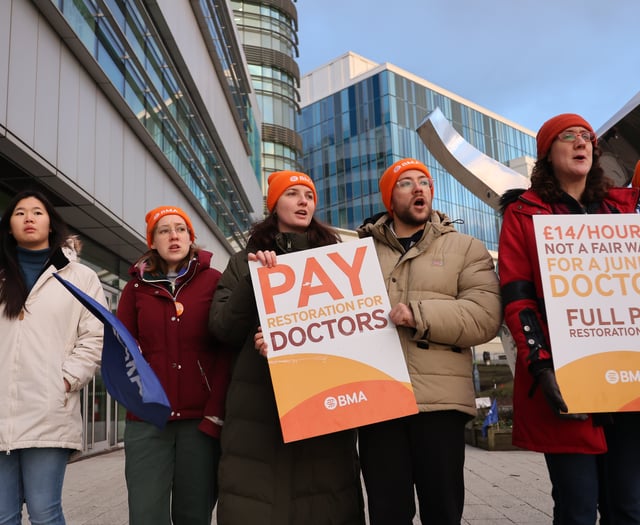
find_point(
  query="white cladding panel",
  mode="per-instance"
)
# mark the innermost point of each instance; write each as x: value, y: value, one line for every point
x: 134, y: 182
x: 22, y: 71
x: 55, y: 111
x: 47, y: 93
x: 5, y: 24
x: 84, y: 117
x: 70, y: 129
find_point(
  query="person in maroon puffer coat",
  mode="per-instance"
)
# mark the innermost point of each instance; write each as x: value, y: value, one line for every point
x: 171, y: 474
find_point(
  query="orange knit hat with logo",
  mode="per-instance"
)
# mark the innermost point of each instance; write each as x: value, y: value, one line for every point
x: 391, y: 175
x: 156, y: 214
x: 279, y: 181
x: 552, y: 127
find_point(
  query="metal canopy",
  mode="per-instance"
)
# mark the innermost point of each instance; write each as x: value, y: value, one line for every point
x: 619, y: 141
x: 485, y: 177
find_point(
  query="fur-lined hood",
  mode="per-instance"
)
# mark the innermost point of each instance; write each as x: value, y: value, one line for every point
x: 72, y: 248
x: 508, y: 197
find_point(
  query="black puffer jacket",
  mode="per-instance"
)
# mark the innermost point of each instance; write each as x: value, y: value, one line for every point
x: 262, y: 480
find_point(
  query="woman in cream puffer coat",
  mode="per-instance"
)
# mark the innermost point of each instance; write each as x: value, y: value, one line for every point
x: 50, y: 348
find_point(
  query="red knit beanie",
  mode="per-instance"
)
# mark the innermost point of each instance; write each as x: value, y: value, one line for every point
x: 156, y: 214
x: 552, y: 127
x: 279, y: 181
x: 391, y: 175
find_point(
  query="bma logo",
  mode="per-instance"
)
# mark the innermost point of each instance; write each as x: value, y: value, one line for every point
x: 614, y: 377
x: 343, y: 400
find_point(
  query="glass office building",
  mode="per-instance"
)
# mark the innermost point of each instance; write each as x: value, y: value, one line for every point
x: 359, y: 117
x: 268, y: 31
x: 114, y: 107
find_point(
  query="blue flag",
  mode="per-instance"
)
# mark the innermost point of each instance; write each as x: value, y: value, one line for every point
x: 492, y: 417
x: 125, y: 372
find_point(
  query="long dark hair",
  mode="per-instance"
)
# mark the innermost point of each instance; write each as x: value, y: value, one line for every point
x: 13, y: 289
x: 546, y: 185
x: 263, y: 233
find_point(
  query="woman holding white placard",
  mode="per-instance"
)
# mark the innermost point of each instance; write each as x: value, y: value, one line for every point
x: 262, y: 479
x: 593, y: 461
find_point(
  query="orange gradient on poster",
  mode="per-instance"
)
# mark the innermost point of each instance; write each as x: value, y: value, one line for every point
x: 317, y: 394
x: 604, y: 382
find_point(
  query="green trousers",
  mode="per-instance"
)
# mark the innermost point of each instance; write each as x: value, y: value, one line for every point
x: 171, y: 473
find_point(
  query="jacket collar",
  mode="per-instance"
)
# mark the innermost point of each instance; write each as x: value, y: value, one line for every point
x: 199, y: 262
x: 438, y: 224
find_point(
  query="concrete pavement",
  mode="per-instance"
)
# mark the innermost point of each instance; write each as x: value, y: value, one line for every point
x: 501, y: 488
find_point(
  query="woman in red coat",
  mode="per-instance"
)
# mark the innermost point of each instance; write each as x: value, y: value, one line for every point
x: 171, y: 474
x: 566, y: 179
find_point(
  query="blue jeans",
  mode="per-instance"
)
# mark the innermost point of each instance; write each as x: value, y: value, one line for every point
x: 34, y: 476
x: 575, y: 486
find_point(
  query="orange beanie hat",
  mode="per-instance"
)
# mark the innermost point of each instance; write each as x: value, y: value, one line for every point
x: 635, y: 181
x: 391, y: 175
x: 156, y: 214
x: 552, y: 127
x: 279, y: 181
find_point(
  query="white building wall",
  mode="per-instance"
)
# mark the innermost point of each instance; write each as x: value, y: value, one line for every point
x: 333, y: 76
x: 53, y: 112
x: 5, y: 25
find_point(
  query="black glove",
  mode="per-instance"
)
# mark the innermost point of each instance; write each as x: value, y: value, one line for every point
x: 546, y: 378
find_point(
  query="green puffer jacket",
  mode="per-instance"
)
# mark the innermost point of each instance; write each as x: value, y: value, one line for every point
x: 449, y: 281
x: 262, y: 480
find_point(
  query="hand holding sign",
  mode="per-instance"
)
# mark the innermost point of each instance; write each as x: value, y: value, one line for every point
x: 590, y: 270
x: 261, y: 345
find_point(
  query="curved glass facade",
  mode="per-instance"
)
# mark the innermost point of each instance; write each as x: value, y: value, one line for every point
x: 268, y: 32
x: 276, y: 95
x: 351, y: 136
x: 137, y: 63
x: 262, y: 25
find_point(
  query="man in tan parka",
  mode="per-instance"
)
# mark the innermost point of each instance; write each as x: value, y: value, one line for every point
x: 445, y: 299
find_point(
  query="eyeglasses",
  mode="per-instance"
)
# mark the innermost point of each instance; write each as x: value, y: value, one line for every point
x: 572, y: 136
x: 165, y: 231
x: 407, y: 185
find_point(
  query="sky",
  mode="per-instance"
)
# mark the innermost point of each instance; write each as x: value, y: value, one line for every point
x: 525, y: 60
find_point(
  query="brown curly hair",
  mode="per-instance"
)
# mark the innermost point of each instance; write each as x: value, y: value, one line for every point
x: 546, y: 185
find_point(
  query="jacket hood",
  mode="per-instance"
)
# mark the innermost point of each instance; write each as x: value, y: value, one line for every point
x: 508, y: 197
x: 67, y: 253
x: 71, y: 248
